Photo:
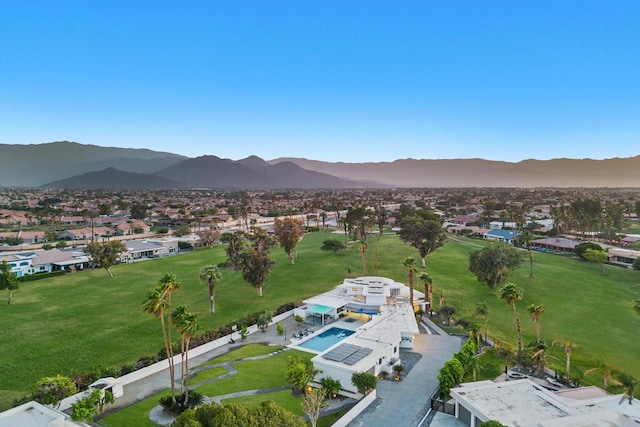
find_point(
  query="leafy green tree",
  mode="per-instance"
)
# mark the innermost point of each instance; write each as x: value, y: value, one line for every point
x: 91, y: 404
x: 597, y: 256
x: 51, y: 390
x: 211, y: 275
x: 333, y: 245
x: 8, y: 280
x: 300, y: 372
x: 138, y: 211
x: 536, y: 312
x: 235, y: 245
x: 580, y: 248
x: 510, y: 293
x: 426, y: 235
x: 364, y: 382
x: 492, y: 423
x: 446, y: 312
x: 450, y: 375
x: 410, y: 264
x: 330, y: 386
x: 289, y: 232
x: 105, y: 255
x: 47, y: 246
x: 636, y: 264
x: 493, y: 263
x: 254, y: 260
x: 264, y: 319
x: 61, y: 244
x: 313, y: 404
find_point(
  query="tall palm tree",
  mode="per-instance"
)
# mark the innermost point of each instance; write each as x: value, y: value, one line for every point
x: 212, y: 275
x: 482, y: 310
x: 428, y: 288
x: 536, y: 312
x: 157, y: 305
x: 363, y: 254
x: 474, y: 366
x: 568, y: 345
x: 510, y: 293
x: 526, y: 237
x: 410, y: 263
x: 187, y: 325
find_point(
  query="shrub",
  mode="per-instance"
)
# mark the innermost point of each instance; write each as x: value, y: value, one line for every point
x: 38, y: 276
x: 581, y: 248
x: 636, y: 264
x: 51, y: 390
x: 330, y: 386
x: 280, y: 328
x: 364, y: 382
x: 194, y: 399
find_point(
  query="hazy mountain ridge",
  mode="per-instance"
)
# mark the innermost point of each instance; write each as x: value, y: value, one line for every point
x: 46, y: 164
x: 615, y: 172
x: 115, y: 179
x: 33, y: 165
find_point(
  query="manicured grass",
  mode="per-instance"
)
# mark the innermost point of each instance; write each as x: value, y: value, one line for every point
x: 248, y: 350
x: 254, y: 374
x: 328, y: 420
x: 284, y: 398
x: 69, y: 325
x: 207, y: 374
x: 491, y: 366
x: 136, y: 415
x: 581, y: 304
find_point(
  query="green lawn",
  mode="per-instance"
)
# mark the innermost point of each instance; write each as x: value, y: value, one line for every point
x: 581, y: 304
x: 136, y: 415
x: 207, y: 374
x: 71, y: 324
x: 491, y: 366
x: 248, y: 350
x: 284, y: 398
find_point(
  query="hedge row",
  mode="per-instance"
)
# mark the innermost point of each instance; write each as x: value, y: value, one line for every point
x: 38, y: 276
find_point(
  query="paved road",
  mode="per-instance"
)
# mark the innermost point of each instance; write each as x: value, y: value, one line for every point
x: 405, y: 403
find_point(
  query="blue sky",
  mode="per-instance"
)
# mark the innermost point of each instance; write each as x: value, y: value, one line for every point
x: 331, y: 80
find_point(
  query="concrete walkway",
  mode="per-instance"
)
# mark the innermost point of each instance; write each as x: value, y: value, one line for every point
x: 406, y: 402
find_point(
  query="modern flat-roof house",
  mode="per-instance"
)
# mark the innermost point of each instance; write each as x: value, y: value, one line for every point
x: 34, y: 414
x: 371, y: 321
x: 527, y: 404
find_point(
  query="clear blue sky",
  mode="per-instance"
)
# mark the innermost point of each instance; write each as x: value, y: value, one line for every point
x: 327, y: 80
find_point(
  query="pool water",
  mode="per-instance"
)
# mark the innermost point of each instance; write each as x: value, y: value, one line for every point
x: 326, y: 339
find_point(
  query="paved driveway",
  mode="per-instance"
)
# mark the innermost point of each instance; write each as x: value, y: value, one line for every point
x: 405, y: 403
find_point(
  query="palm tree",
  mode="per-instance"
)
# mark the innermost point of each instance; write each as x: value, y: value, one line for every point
x: 526, y: 237
x: 567, y: 344
x: 212, y: 275
x: 157, y: 305
x: 187, y: 324
x: 474, y: 366
x: 363, y: 253
x: 629, y: 384
x: 428, y: 288
x: 536, y: 312
x: 602, y: 367
x: 482, y: 310
x: 510, y: 293
x: 410, y: 263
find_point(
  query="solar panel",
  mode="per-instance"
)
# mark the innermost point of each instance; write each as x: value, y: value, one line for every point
x: 348, y: 354
x: 357, y: 356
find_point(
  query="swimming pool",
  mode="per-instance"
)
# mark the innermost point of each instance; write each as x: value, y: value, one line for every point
x: 326, y: 339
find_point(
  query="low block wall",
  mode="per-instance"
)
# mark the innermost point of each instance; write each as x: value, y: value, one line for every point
x: 162, y: 365
x: 356, y: 410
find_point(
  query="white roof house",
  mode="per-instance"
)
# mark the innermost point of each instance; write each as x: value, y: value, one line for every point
x: 373, y: 346
x: 524, y: 403
x: 34, y: 414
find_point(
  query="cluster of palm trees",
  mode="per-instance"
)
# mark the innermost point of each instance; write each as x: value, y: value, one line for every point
x: 158, y: 304
x: 587, y: 215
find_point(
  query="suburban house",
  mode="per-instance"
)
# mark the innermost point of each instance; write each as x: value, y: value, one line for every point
x: 41, y: 261
x: 525, y: 403
x: 149, y: 248
x: 554, y: 244
x: 624, y: 257
x: 630, y: 239
x: 371, y: 320
x: 506, y: 236
x: 86, y: 233
x: 72, y: 220
x: 34, y: 414
x: 465, y: 219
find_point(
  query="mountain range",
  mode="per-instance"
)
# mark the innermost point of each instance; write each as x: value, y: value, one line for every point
x: 72, y: 165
